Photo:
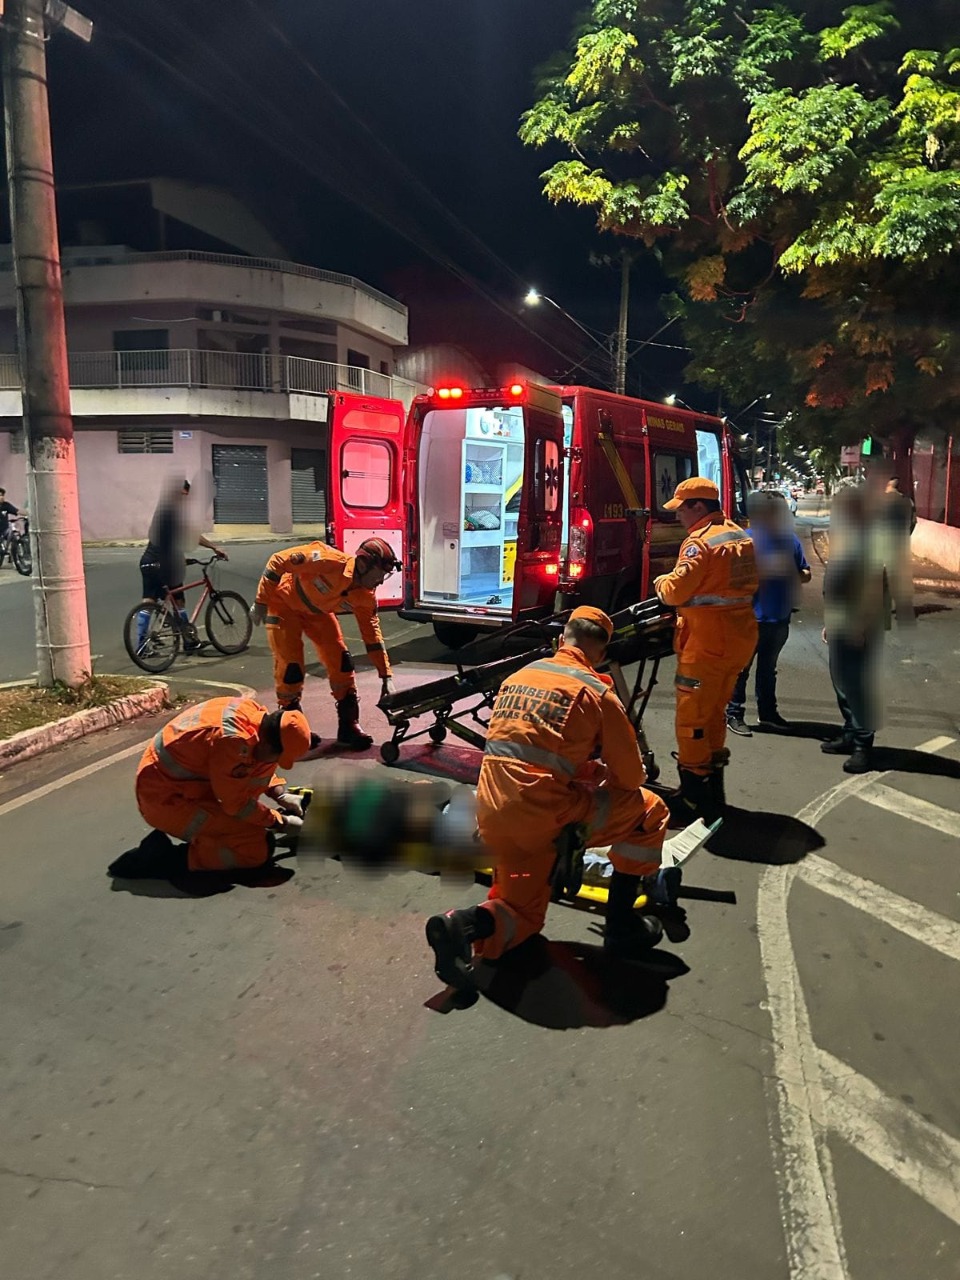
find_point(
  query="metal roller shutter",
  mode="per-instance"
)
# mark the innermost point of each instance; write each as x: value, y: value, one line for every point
x: 308, y: 471
x: 240, y: 476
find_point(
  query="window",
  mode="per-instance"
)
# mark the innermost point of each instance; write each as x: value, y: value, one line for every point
x: 669, y: 469
x: 143, y: 352
x: 385, y: 368
x: 18, y: 441
x: 365, y: 474
x: 144, y: 442
x: 708, y: 457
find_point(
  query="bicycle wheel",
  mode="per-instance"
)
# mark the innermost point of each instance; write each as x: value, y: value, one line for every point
x: 20, y: 554
x: 228, y: 622
x: 161, y: 642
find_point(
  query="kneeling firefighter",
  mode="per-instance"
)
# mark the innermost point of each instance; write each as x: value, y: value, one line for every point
x: 201, y: 779
x: 712, y: 588
x: 300, y: 592
x: 548, y: 723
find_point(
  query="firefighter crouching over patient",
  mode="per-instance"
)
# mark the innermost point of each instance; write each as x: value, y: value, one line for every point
x: 538, y: 775
x: 201, y: 779
x: 300, y: 591
x: 712, y: 588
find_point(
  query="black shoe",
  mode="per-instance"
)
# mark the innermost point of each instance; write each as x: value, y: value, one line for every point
x: 837, y: 747
x: 774, y: 721
x: 662, y: 889
x: 450, y: 938
x: 737, y: 725
x: 349, y: 733
x: 861, y: 761
x: 635, y: 941
x: 698, y: 797
x: 292, y: 705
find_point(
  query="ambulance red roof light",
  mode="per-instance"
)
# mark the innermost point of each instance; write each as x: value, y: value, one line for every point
x: 517, y: 389
x: 456, y: 393
x: 443, y: 393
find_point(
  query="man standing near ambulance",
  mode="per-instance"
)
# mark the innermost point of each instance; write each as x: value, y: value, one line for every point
x: 712, y: 588
x: 300, y: 593
x: 539, y: 775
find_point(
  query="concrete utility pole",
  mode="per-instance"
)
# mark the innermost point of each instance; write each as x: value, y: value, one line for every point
x: 620, y: 361
x: 59, y: 589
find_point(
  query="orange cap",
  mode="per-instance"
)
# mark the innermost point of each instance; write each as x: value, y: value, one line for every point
x: 294, y: 738
x: 695, y: 487
x: 590, y: 614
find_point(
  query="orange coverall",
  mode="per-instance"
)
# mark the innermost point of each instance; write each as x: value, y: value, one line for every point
x: 712, y: 588
x: 548, y: 720
x: 198, y: 780
x: 303, y: 588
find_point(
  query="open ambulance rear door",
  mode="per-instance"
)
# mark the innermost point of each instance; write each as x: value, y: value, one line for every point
x: 365, y: 500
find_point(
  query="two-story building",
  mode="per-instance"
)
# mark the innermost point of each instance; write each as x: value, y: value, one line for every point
x: 210, y: 366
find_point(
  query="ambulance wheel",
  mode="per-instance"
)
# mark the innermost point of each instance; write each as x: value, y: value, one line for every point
x: 389, y: 753
x: 454, y: 635
x: 437, y: 733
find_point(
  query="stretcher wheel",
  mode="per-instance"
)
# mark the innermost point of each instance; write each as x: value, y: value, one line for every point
x: 437, y: 733
x: 389, y: 753
x: 653, y: 771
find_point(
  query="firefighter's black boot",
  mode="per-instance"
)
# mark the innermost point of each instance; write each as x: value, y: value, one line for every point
x: 156, y: 857
x: 349, y: 733
x: 695, y: 799
x: 451, y: 938
x: 628, y: 935
x: 718, y: 793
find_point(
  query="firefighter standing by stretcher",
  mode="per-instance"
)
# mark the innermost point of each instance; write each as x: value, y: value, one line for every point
x: 712, y: 588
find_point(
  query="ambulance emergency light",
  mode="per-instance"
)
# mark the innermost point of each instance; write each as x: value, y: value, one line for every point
x: 516, y: 391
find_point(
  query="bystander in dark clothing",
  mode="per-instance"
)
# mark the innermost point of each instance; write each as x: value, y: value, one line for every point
x: 856, y: 612
x: 781, y: 566
x: 7, y: 509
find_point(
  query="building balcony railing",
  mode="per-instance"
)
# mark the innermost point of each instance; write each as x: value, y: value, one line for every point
x: 218, y: 370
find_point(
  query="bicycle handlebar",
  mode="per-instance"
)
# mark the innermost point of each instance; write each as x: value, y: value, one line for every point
x: 205, y: 563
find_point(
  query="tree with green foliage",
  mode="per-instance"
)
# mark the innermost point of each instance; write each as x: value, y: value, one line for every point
x: 795, y: 167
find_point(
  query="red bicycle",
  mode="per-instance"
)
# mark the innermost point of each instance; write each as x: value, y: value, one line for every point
x: 154, y: 641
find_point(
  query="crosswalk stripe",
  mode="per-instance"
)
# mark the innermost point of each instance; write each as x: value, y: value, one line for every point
x: 912, y: 808
x: 929, y: 927
x: 894, y: 1137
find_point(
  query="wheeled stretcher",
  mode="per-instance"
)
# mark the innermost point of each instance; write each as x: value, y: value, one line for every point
x: 642, y: 634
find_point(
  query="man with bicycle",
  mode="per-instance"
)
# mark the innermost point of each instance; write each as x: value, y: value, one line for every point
x: 300, y: 592
x: 7, y: 509
x: 163, y: 563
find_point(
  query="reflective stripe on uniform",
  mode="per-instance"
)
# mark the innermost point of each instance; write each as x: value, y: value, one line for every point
x: 729, y: 535
x: 228, y: 858
x: 271, y: 576
x: 306, y: 600
x: 228, y: 720
x: 530, y: 754
x: 194, y: 825
x: 686, y: 682
x: 602, y: 812
x: 554, y: 668
x: 508, y: 918
x: 170, y: 766
x: 715, y: 601
x: 272, y: 621
x: 247, y: 811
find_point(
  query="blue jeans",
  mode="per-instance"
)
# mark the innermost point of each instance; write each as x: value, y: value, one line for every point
x: 771, y: 637
x: 853, y: 672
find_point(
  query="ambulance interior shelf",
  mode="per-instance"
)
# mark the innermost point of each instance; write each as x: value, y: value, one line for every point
x: 643, y: 634
x: 470, y: 465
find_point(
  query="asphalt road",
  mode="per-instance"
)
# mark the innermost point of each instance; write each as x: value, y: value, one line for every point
x: 252, y: 1085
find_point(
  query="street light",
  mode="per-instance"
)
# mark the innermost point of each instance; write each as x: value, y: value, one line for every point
x: 673, y: 399
x: 534, y: 297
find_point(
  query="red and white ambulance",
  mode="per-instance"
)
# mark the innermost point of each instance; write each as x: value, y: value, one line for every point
x: 500, y: 500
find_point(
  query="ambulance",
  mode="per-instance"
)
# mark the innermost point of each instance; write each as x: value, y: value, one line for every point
x: 508, y: 504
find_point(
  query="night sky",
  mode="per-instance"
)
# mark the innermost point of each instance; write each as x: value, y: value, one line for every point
x: 375, y: 137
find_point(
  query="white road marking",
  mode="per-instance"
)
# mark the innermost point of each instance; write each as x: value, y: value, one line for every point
x: 892, y: 1136
x: 929, y: 927
x: 912, y: 808
x: 77, y: 776
x: 808, y: 1197
x: 241, y: 690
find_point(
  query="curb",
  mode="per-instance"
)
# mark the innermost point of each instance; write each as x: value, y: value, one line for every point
x: 33, y: 742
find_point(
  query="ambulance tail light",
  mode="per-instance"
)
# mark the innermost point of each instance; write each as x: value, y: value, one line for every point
x: 579, y: 542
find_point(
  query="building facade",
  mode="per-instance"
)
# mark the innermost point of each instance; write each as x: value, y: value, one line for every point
x: 213, y: 367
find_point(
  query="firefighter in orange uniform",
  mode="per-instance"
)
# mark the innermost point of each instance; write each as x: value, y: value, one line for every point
x: 549, y: 720
x: 712, y: 588
x: 201, y: 779
x: 301, y: 591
